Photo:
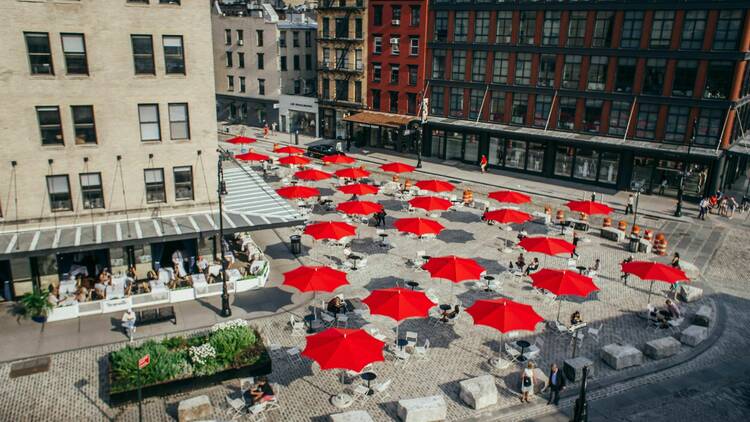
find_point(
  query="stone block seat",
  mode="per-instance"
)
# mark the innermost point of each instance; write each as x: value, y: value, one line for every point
x: 422, y: 409
x: 573, y: 367
x: 662, y: 347
x: 693, y: 335
x: 353, y: 416
x: 690, y: 293
x: 621, y: 356
x: 703, y: 316
x: 479, y: 392
x: 196, y: 408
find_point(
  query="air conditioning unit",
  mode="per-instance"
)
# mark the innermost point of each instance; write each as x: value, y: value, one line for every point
x: 396, y: 22
x: 395, y: 41
x: 240, y: 42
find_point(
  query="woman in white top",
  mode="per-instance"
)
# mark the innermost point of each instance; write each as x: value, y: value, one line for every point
x: 527, y: 382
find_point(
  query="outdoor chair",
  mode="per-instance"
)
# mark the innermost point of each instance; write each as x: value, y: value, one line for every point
x: 400, y: 354
x: 246, y: 384
x: 572, y: 263
x: 419, y: 261
x: 421, y: 351
x: 435, y: 315
x: 594, y: 332
x: 298, y: 327
x: 380, y: 391
x: 511, y: 353
x: 359, y: 392
x: 256, y: 412
x: 535, y: 349
x: 375, y: 332
x: 328, y: 319
x: 411, y: 338
x: 560, y: 328
x: 293, y: 355
x: 454, y: 320
x: 235, y: 406
x: 347, y: 252
x: 342, y: 320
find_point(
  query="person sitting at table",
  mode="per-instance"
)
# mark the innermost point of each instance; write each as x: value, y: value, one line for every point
x: 105, y: 277
x: 54, y: 295
x: 575, y: 318
x: 521, y: 235
x: 670, y: 311
x: 450, y: 314
x: 676, y: 260
x: 532, y: 267
x: 336, y: 305
x: 261, y: 392
x: 520, y: 261
x: 81, y: 294
x: 594, y: 269
x: 202, y: 266
x: 100, y: 290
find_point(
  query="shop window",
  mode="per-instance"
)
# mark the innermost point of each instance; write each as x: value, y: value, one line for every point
x: 693, y: 30
x: 728, y: 29
x: 454, y: 146
x: 653, y: 82
x: 719, y: 79
x: 625, y: 74
x: 632, y: 29
x: 471, y: 148
x: 710, y: 122
x: 618, y: 117
x: 547, y: 67
x: 586, y: 164
x: 567, y: 113
x: 603, y: 29
x: 564, y: 161
x: 527, y: 27
x: 676, y: 126
x: 481, y: 26
x: 598, y: 73
x: 437, y: 143
x: 684, y: 78
x: 661, y: 28
x: 542, y: 107
x: 478, y: 66
x: 457, y: 102
x: 504, y: 26
x: 515, y: 154
x: 523, y: 69
x: 593, y: 115
x: 496, y: 152
x: 500, y: 68
x: 92, y: 193
x: 461, y: 26
x: 535, y: 161
x: 571, y: 72
x: 58, y: 188
x: 610, y: 163
x: 438, y: 64
x: 645, y: 126
x: 576, y: 28
x: 458, y: 71
x: 551, y: 28
x: 520, y: 107
x: 497, y: 107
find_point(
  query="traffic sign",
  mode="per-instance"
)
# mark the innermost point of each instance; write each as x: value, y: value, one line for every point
x: 144, y: 361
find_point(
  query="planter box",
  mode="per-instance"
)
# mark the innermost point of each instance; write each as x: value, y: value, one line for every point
x: 262, y: 367
x: 181, y: 295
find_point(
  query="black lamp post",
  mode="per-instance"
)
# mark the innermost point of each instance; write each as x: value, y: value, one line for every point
x: 685, y: 164
x: 581, y: 411
x: 226, y: 311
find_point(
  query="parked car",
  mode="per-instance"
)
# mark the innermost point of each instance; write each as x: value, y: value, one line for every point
x: 321, y: 150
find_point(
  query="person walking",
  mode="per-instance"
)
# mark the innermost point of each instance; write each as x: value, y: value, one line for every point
x: 576, y: 239
x: 265, y: 130
x: 128, y: 323
x: 629, y: 206
x: 483, y: 163
x: 702, y: 208
x: 556, y: 384
x: 527, y: 382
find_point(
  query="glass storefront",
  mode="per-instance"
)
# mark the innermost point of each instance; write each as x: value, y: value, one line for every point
x: 564, y: 161
x: 495, y: 152
x: 587, y: 164
x: 454, y: 146
x: 536, y: 157
x: 471, y: 148
x: 515, y: 154
x: 608, y: 165
x: 302, y: 121
x: 437, y: 143
x: 662, y: 177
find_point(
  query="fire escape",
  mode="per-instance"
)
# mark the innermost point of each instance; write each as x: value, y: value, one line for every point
x: 342, y: 65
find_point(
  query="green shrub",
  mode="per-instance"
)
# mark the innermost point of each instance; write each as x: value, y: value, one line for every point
x: 230, y: 342
x: 165, y: 365
x: 174, y: 343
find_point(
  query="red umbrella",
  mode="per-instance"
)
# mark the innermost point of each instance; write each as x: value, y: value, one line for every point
x: 339, y: 348
x: 563, y: 283
x: 435, y: 185
x: 289, y: 150
x: 654, y: 271
x: 312, y: 174
x: 546, y: 245
x: 507, y: 216
x: 239, y: 140
x: 397, y: 168
x: 252, y: 156
x: 359, y: 189
x: 504, y: 315
x: 297, y: 192
x: 330, y: 230
x: 398, y: 304
x: 453, y: 268
x: 510, y: 197
x: 589, y: 207
x: 294, y: 160
x: 338, y: 159
x: 418, y: 226
x: 315, y: 278
x: 359, y: 207
x: 352, y: 173
x: 430, y: 203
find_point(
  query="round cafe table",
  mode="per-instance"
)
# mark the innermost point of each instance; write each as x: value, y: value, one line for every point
x: 489, y: 279
x: 354, y: 259
x: 369, y: 376
x: 581, y: 269
x: 412, y: 284
x: 523, y: 344
x: 445, y: 307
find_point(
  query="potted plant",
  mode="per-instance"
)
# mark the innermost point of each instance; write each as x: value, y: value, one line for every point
x: 36, y: 305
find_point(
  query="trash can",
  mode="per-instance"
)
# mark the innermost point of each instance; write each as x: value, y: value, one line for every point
x: 296, y: 241
x: 633, y: 244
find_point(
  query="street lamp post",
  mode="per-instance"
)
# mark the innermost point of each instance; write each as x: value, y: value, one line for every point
x: 681, y: 189
x: 581, y: 412
x: 226, y: 311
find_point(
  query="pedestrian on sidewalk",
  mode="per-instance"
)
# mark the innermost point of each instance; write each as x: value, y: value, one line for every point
x: 629, y: 206
x: 128, y: 323
x: 483, y: 163
x: 265, y: 130
x: 527, y: 382
x: 556, y: 385
x: 576, y: 239
x: 703, y: 208
x: 273, y: 127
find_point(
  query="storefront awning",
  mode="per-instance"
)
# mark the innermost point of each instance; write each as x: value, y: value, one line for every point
x: 376, y: 118
x: 250, y: 205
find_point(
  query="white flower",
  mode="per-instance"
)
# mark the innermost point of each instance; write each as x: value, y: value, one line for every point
x: 200, y: 354
x: 235, y: 323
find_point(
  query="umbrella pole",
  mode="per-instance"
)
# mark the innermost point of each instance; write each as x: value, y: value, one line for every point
x: 651, y: 287
x: 559, y: 307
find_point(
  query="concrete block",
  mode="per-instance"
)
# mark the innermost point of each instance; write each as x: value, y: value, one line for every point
x: 573, y: 367
x: 479, y: 392
x: 703, y: 316
x: 422, y: 409
x: 661, y: 347
x: 621, y: 356
x: 353, y: 416
x: 693, y: 335
x: 195, y: 409
x: 612, y: 233
x: 690, y: 293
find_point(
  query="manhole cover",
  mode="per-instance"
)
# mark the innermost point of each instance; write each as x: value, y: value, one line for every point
x: 28, y: 367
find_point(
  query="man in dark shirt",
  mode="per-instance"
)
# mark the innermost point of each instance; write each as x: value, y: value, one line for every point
x: 260, y: 393
x: 556, y: 384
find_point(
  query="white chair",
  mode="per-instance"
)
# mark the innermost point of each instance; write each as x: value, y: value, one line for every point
x: 375, y: 332
x: 572, y: 263
x: 411, y: 338
x: 380, y: 391
x: 328, y: 319
x: 594, y: 332
x: 235, y: 407
x: 360, y: 392
x: 511, y: 353
x: 419, y: 261
x: 362, y: 263
x: 293, y: 355
x: 559, y: 328
x: 535, y: 349
x: 432, y: 295
x: 421, y: 351
x: 435, y: 314
x: 400, y: 354
x: 298, y: 327
x: 342, y: 320
x: 347, y: 252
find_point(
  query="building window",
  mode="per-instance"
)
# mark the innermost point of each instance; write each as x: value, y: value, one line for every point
x: 393, y: 98
x: 504, y: 27
x: 326, y: 89
x: 40, y: 55
x: 441, y: 25
x: 259, y: 38
x: 598, y: 73
x: 74, y: 51
x: 376, y: 71
x: 478, y: 66
x: 728, y: 29
x: 497, y: 107
x: 567, y: 113
x: 183, y: 183
x: 358, y: 91
x: 523, y: 69
x: 618, y: 117
x: 413, y: 46
x: 482, y: 26
x: 515, y: 154
x: 413, y: 74
x: 564, y: 161
x: 377, y: 44
x: 297, y: 86
x: 436, y: 101
x: 411, y: 103
x: 295, y: 62
x: 603, y: 29
x: 527, y: 27
x: 571, y: 72
x: 394, y: 74
x: 459, y: 65
x: 438, y: 64
x: 547, y: 67
x: 240, y: 37
x: 395, y: 15
x: 625, y: 74
x: 653, y: 82
x: 229, y: 59
x: 576, y: 28
x: 295, y: 36
x: 376, y: 99
x: 148, y: 116
x: 710, y: 122
x: 461, y: 27
x: 342, y: 59
x: 282, y: 34
x: 693, y: 30
x: 179, y: 121
x: 92, y: 194
x: 648, y: 114
x: 83, y: 124
x: 155, y: 191
x: 261, y: 87
x: 174, y: 55
x: 143, y: 54
x: 519, y: 108
x: 395, y: 45
x: 457, y: 102
x: 228, y: 37
x: 357, y: 29
x: 551, y: 28
x: 308, y: 62
x: 632, y: 29
x: 50, y: 125
x: 718, y: 79
x: 377, y: 15
x: 261, y: 62
x: 240, y: 60
x: 592, y: 117
x: 587, y: 163
x: 676, y: 127
x: 326, y: 29
x: 500, y: 68
x: 342, y: 90
x: 661, y: 28
x: 308, y: 35
x: 230, y: 83
x: 542, y: 107
x: 475, y: 102
x: 414, y: 15
x: 684, y: 78
x: 58, y: 188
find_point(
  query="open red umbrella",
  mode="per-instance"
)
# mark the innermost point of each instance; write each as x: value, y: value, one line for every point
x: 510, y: 197
x: 435, y: 185
x: 563, y: 283
x: 453, y: 268
x: 330, y: 230
x: 252, y: 156
x: 298, y: 192
x: 340, y: 348
x: 289, y: 150
x: 398, y: 303
x: 359, y: 189
x: 315, y: 278
x: 352, y: 173
x: 418, y: 226
x: 546, y: 245
x: 338, y: 159
x: 397, y: 168
x: 312, y: 174
x: 240, y: 140
x: 359, y: 207
x: 589, y: 207
x: 430, y: 203
x: 654, y: 271
x: 294, y: 160
x: 507, y: 216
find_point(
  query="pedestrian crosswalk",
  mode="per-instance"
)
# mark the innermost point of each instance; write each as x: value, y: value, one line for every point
x: 248, y: 193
